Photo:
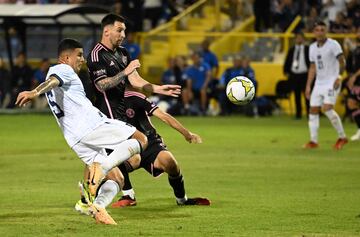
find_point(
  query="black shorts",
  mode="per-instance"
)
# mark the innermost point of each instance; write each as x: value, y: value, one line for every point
x: 148, y: 156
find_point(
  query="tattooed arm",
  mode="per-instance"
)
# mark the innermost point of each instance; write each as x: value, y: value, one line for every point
x: 26, y: 96
x: 110, y: 82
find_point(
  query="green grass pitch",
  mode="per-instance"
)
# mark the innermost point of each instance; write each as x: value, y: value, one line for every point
x: 260, y: 182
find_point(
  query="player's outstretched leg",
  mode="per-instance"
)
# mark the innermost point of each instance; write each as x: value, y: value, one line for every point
x: 313, y: 128
x: 95, y: 177
x: 337, y: 124
x: 128, y: 197
x: 166, y: 161
x: 97, y: 209
x: 82, y: 205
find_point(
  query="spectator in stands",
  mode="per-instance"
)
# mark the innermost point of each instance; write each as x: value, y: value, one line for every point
x: 285, y: 13
x: 339, y: 25
x: 262, y: 15
x: 353, y: 12
x: 197, y: 76
x: 153, y: 11
x: 248, y: 71
x: 236, y: 10
x: 251, y: 108
x: 295, y: 68
x: 209, y: 57
x: 39, y: 77
x: 311, y: 19
x: 332, y: 7
x: 133, y: 11
x: 349, y: 44
x: 226, y: 106
x: 21, y: 78
x: 15, y: 42
x: 132, y: 47
x: 173, y: 76
x: 4, y: 84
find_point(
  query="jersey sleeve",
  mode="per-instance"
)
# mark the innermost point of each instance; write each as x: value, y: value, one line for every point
x: 337, y: 49
x: 149, y: 106
x: 97, y: 69
x: 63, y: 73
x: 140, y: 103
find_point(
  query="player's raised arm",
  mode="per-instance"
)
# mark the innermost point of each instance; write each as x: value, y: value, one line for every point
x: 139, y: 83
x: 110, y: 82
x: 26, y: 96
x: 174, y: 123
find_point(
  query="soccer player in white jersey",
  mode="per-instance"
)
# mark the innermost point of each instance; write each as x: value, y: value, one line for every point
x: 87, y: 131
x: 327, y: 62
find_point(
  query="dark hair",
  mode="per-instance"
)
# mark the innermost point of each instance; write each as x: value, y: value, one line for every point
x: 319, y: 23
x: 110, y: 19
x: 67, y: 44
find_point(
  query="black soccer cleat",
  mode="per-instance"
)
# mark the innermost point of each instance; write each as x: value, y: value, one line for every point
x: 195, y: 202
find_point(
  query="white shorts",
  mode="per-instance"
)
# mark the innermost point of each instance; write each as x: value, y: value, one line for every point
x: 106, y: 136
x: 324, y: 94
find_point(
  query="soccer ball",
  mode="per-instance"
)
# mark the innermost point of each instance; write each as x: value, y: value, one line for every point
x: 240, y: 90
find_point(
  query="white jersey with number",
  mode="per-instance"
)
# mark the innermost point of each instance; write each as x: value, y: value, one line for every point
x: 73, y: 111
x: 326, y: 61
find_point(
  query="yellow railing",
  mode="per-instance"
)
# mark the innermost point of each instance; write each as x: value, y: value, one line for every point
x: 171, y: 25
x: 288, y: 32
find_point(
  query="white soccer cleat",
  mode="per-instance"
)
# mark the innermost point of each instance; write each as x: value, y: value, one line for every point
x: 356, y: 136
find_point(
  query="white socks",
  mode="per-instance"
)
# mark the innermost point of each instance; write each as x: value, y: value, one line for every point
x: 129, y: 192
x: 122, y: 152
x: 336, y: 122
x: 106, y: 193
x: 314, y: 127
x: 181, y: 200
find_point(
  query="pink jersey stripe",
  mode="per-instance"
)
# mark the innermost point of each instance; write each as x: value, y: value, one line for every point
x: 108, y: 105
x: 93, y: 52
x: 106, y: 101
x: 133, y: 93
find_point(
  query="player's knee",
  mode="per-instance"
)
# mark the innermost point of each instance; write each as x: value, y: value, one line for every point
x: 314, y: 110
x: 327, y: 107
x: 134, y: 162
x: 172, y: 167
x: 116, y: 175
x: 142, y: 139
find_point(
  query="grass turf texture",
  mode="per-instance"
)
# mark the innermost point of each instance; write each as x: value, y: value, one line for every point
x: 260, y: 182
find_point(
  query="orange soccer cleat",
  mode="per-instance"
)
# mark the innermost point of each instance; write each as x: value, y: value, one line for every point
x: 124, y: 201
x: 340, y: 143
x: 311, y: 145
x: 100, y: 215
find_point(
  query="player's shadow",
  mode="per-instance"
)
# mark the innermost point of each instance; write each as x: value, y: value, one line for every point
x: 151, y: 208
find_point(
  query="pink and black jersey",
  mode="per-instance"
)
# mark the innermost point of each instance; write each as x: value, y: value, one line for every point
x: 102, y: 63
x: 138, y: 110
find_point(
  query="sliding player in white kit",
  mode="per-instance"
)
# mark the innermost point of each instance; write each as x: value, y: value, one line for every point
x: 87, y: 131
x: 327, y: 63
